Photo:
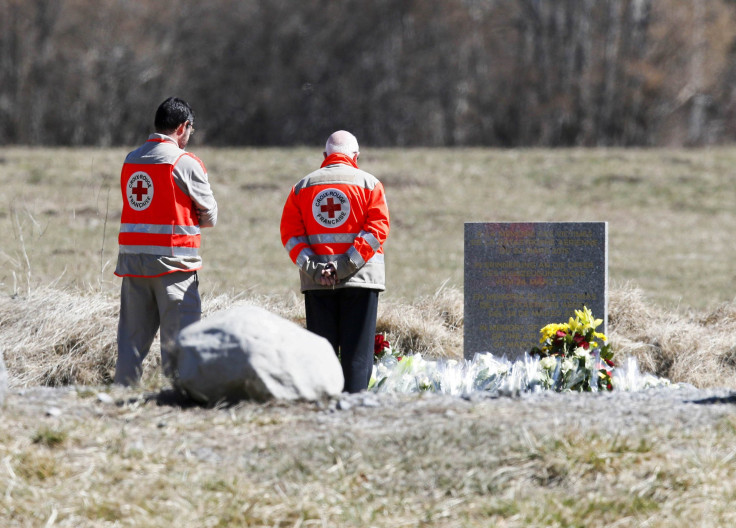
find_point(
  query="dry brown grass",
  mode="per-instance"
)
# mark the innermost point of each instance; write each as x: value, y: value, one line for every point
x: 58, y: 337
x: 431, y: 325
x: 693, y: 347
x: 55, y: 337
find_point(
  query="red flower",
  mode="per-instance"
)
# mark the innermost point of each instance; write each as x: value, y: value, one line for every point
x: 380, y: 344
x: 580, y: 341
x: 559, y: 338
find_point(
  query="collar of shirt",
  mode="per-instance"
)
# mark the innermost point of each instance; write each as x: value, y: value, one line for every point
x: 338, y: 157
x: 161, y: 138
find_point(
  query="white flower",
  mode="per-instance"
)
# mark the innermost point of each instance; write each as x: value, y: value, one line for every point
x: 548, y: 363
x: 423, y: 383
x: 568, y: 364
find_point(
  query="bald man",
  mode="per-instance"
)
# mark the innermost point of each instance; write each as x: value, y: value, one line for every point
x: 333, y: 226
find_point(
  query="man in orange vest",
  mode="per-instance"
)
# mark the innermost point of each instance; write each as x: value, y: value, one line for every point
x: 333, y: 225
x: 166, y: 200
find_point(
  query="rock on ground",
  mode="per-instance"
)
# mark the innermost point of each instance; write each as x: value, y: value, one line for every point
x: 247, y: 352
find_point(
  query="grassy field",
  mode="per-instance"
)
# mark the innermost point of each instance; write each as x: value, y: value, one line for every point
x: 92, y: 455
x: 412, y: 462
x: 670, y: 212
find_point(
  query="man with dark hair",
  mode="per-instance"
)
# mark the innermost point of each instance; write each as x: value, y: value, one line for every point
x: 171, y: 113
x: 333, y: 226
x: 166, y: 200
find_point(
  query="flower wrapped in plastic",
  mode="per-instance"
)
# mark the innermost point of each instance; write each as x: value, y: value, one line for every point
x: 490, y: 374
x: 413, y: 374
x: 628, y: 378
x: 582, y: 364
x: 573, y: 356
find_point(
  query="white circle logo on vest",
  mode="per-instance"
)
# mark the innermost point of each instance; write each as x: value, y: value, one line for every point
x: 331, y: 207
x: 140, y: 190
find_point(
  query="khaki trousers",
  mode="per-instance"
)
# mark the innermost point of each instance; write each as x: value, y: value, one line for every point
x: 169, y: 302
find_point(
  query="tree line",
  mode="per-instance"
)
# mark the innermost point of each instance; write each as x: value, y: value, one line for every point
x: 395, y: 72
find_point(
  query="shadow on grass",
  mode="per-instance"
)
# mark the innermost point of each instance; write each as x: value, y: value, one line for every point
x: 175, y: 398
x: 172, y: 398
x: 731, y: 398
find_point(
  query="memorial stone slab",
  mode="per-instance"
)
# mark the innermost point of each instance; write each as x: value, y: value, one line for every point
x: 521, y: 276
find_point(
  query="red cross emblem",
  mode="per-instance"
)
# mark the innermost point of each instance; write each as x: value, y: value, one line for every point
x: 139, y: 190
x: 331, y: 207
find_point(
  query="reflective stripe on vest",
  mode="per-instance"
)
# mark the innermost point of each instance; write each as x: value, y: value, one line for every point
x: 294, y: 241
x: 323, y: 238
x: 160, y: 229
x: 306, y: 254
x: 377, y: 258
x: 332, y: 238
x: 371, y: 239
x: 159, y: 250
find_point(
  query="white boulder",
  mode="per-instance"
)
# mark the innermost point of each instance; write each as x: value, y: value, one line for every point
x: 247, y: 352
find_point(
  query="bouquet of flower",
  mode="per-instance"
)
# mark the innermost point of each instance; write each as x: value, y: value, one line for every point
x: 571, y: 358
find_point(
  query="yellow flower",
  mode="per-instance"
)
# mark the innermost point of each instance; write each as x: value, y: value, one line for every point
x: 585, y: 318
x: 550, y: 331
x: 575, y: 325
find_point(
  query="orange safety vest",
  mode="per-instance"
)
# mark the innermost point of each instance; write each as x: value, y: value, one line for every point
x: 158, y: 218
x: 344, y: 215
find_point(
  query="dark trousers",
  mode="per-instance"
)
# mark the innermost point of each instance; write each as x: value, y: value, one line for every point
x: 346, y: 317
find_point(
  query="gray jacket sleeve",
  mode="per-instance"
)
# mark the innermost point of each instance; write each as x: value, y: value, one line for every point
x: 191, y: 176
